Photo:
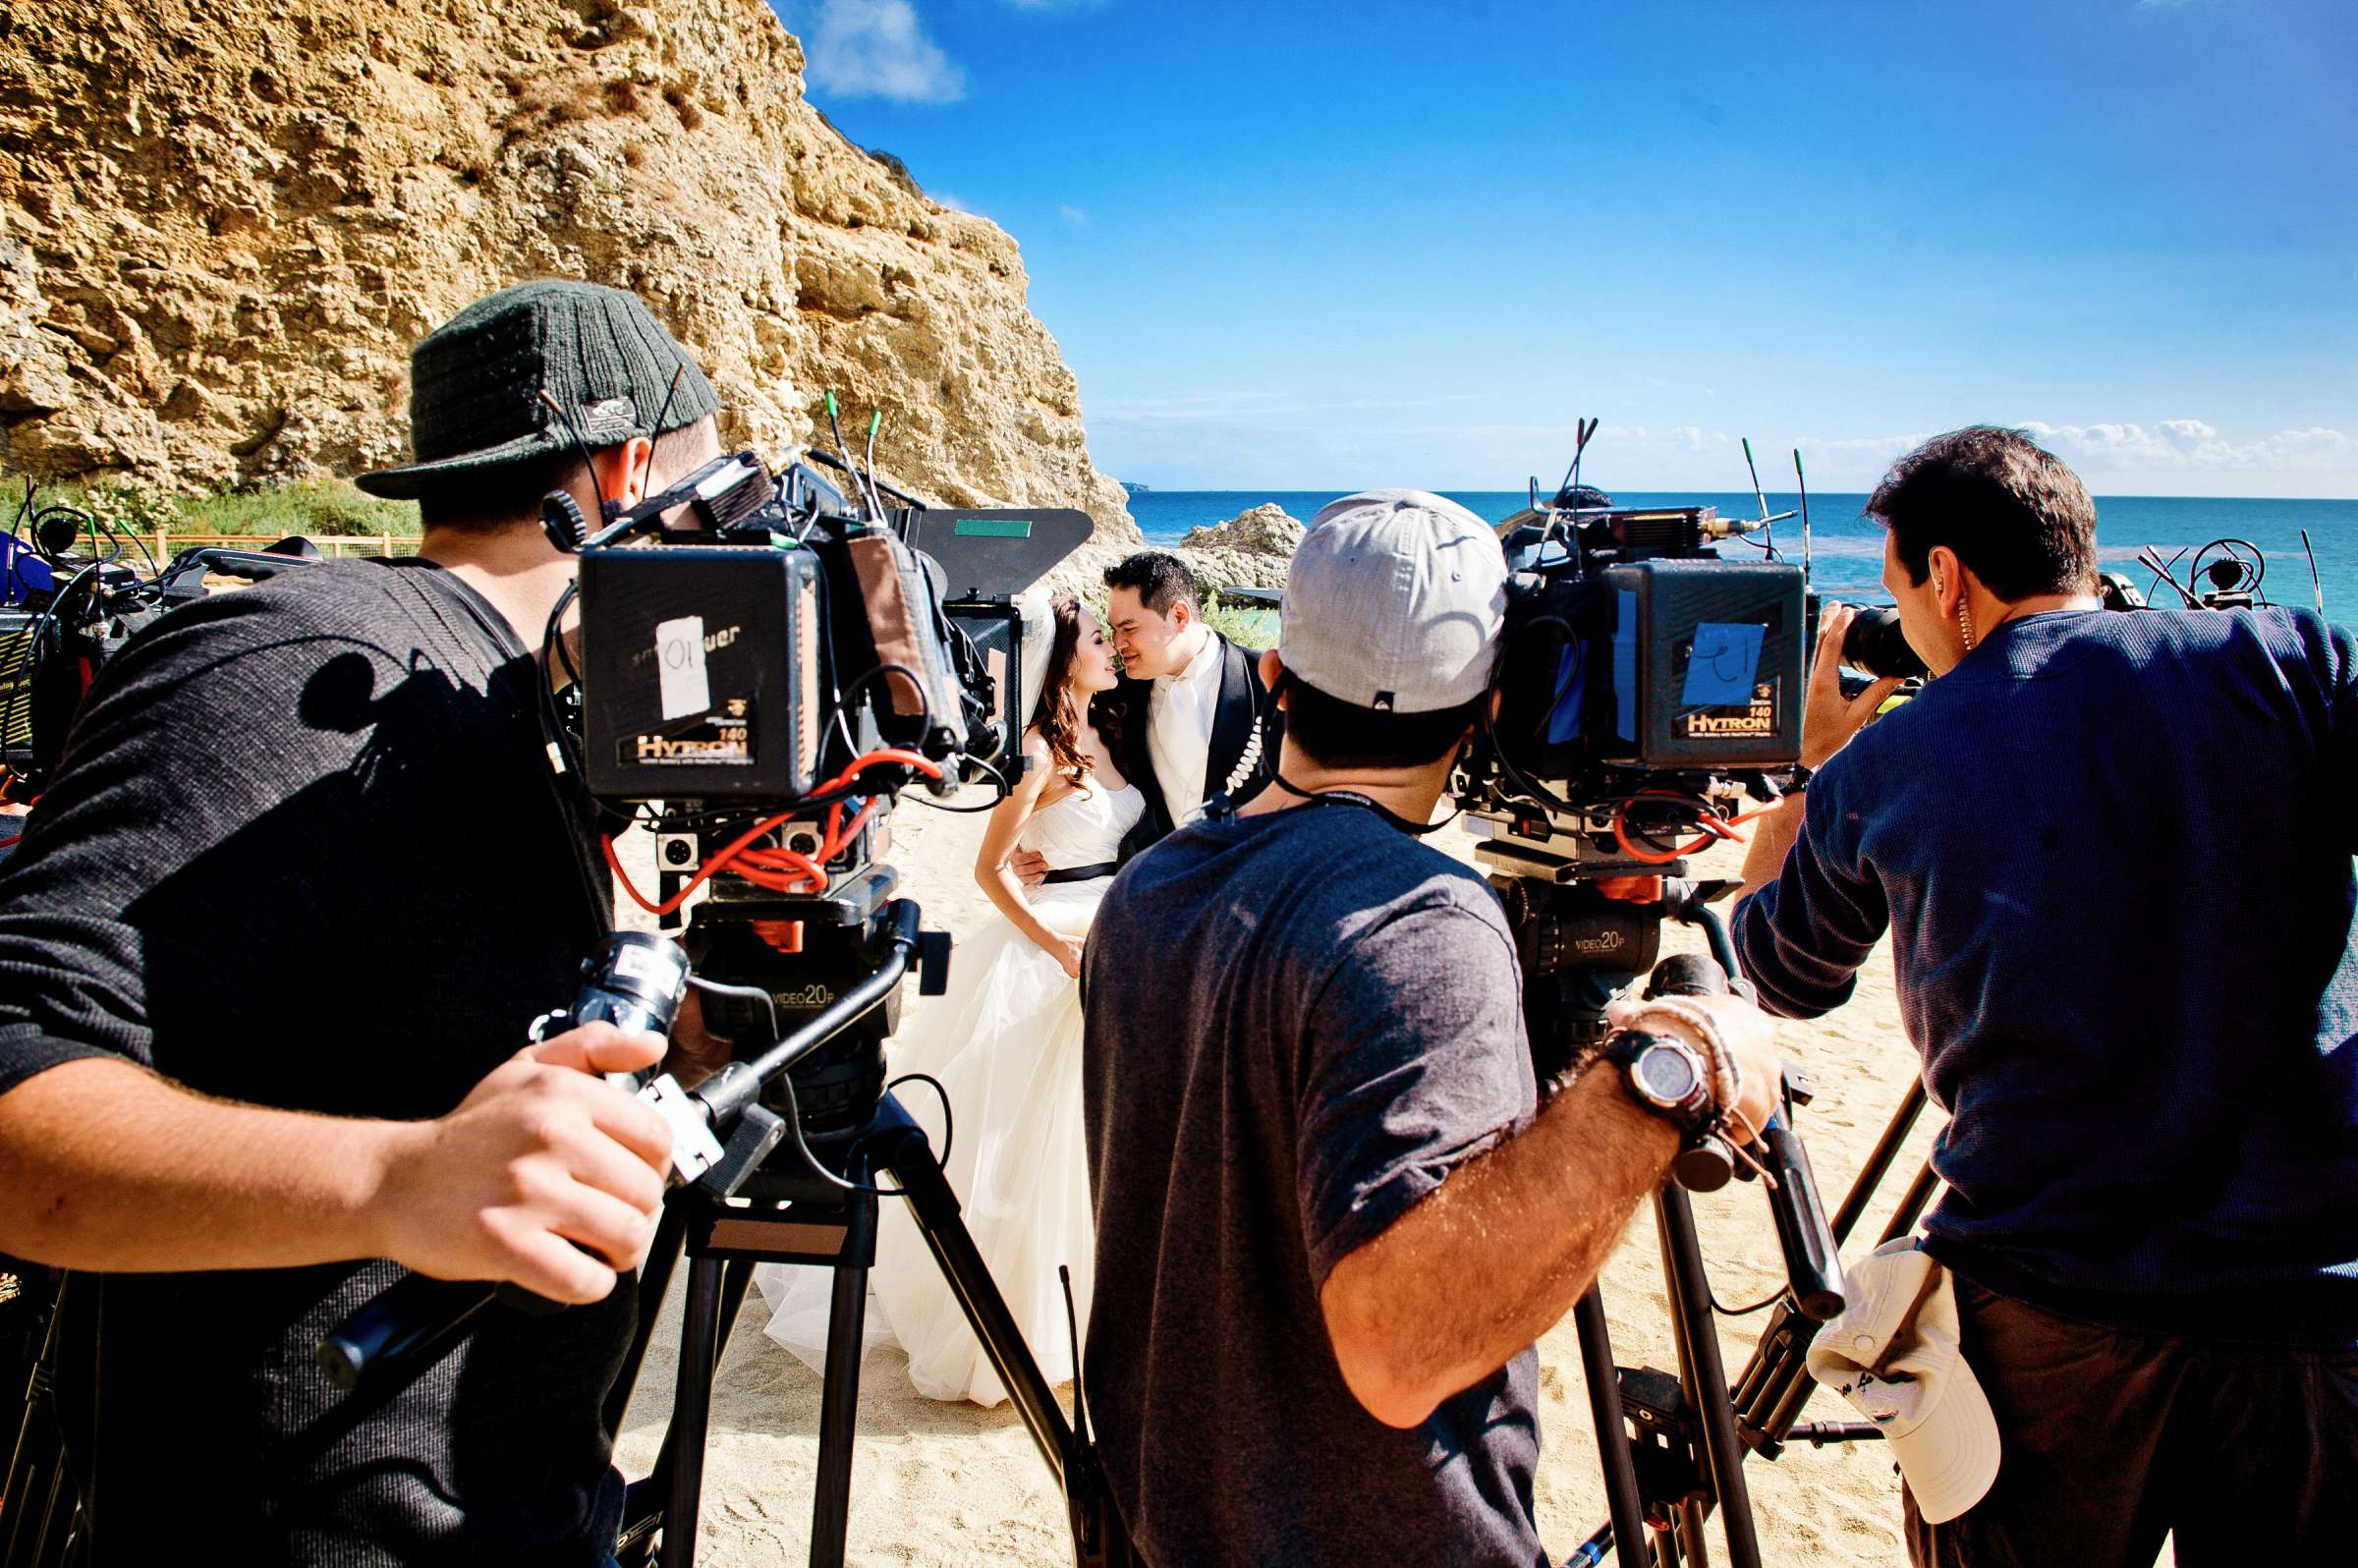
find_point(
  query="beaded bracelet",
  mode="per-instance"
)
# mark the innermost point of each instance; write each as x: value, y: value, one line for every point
x: 1727, y: 1076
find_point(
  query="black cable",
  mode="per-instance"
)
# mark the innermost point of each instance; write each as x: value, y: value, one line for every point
x: 1005, y: 789
x: 1762, y: 1305
x: 58, y: 509
x: 843, y: 698
x: 785, y: 1081
x: 2150, y: 557
x: 134, y: 536
x: 2255, y: 568
x: 34, y: 657
x: 950, y: 1125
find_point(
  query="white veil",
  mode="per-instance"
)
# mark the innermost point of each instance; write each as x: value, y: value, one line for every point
x: 1039, y: 635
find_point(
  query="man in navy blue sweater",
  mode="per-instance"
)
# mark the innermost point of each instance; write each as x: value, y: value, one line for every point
x: 2115, y: 857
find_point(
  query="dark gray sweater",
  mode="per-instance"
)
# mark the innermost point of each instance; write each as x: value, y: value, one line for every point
x: 307, y: 851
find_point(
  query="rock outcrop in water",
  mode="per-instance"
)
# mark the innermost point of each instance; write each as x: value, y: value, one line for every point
x: 1250, y: 549
x: 1264, y: 529
x: 222, y: 225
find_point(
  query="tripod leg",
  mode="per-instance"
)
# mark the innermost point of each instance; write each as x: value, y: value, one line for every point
x: 734, y: 1285
x: 934, y: 1206
x: 1703, y: 1375
x: 1686, y: 1542
x: 839, y: 1404
x: 692, y: 1410
x: 1612, y: 1432
x: 655, y: 1279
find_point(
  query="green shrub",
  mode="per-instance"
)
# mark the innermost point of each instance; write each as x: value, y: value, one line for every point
x: 317, y: 508
x: 1248, y: 626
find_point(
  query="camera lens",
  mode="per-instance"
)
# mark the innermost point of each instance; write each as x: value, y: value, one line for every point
x: 1873, y: 644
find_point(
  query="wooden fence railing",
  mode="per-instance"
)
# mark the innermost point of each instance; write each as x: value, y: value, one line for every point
x: 163, y: 541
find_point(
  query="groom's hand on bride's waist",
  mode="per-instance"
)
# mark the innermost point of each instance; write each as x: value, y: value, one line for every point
x: 1029, y: 866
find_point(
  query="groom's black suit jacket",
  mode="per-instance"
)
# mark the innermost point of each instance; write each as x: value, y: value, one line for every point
x: 1246, y: 728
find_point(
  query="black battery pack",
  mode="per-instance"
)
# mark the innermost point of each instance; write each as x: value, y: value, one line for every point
x: 702, y: 669
x: 1709, y: 664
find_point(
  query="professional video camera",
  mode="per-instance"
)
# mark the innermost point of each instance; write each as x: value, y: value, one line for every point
x: 757, y: 687
x: 765, y: 663
x: 1646, y: 685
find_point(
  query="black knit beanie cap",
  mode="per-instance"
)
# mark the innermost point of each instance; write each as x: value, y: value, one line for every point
x: 475, y: 383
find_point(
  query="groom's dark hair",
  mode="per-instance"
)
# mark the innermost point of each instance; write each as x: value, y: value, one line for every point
x: 1158, y: 580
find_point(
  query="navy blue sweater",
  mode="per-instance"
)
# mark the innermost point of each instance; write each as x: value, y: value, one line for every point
x: 2114, y: 855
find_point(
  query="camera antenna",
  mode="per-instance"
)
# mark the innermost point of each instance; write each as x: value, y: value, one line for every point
x: 848, y: 467
x: 670, y: 392
x: 607, y: 511
x: 2152, y: 557
x: 876, y: 418
x: 2316, y: 583
x: 1767, y: 522
x: 1803, y: 485
x: 1582, y: 430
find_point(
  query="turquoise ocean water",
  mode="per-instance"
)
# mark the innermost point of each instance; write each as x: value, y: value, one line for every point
x: 1847, y: 552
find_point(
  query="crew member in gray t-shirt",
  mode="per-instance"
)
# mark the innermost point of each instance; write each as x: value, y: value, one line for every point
x: 1331, y: 1219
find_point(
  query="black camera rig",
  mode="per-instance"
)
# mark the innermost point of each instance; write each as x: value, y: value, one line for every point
x: 1646, y: 686
x: 765, y: 663
x: 70, y: 598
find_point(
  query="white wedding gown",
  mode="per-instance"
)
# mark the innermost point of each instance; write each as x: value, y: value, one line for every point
x: 1005, y: 1043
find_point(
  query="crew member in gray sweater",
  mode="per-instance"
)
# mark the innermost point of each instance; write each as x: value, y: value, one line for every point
x: 267, y: 954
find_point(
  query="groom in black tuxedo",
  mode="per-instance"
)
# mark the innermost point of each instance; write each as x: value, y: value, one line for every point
x: 1195, y: 720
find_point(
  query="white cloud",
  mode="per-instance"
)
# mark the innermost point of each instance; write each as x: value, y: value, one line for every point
x: 873, y: 49
x: 2184, y: 445
x: 1073, y: 217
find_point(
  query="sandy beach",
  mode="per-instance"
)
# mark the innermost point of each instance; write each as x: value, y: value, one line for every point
x: 953, y: 1483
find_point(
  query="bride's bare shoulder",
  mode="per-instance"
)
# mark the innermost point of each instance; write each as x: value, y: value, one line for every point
x: 1041, y: 773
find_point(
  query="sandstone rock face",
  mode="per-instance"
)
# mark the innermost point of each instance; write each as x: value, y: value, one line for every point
x: 1267, y: 529
x: 224, y: 222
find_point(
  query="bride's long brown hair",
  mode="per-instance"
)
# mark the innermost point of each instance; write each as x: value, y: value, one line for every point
x: 1054, y: 717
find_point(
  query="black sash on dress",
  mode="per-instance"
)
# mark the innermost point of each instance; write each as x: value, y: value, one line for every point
x: 1082, y: 873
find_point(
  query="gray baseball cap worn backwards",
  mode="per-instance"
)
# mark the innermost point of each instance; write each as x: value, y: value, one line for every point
x: 1395, y: 601
x: 475, y: 383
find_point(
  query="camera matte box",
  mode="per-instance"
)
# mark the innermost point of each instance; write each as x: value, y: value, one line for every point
x: 1708, y: 668
x: 702, y: 669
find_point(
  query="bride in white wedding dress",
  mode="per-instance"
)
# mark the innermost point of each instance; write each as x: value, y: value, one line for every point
x: 1005, y: 1044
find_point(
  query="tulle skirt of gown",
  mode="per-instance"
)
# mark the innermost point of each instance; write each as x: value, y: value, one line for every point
x: 1005, y: 1043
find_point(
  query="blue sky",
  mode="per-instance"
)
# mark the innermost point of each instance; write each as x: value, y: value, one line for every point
x: 1308, y: 246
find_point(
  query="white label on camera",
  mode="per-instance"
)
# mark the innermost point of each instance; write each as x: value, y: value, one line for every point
x: 680, y: 659
x: 634, y: 963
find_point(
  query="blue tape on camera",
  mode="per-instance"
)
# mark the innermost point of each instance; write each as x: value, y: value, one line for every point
x: 1725, y: 659
x: 1625, y: 668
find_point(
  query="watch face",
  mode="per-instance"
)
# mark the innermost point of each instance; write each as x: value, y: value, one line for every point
x: 1666, y: 1076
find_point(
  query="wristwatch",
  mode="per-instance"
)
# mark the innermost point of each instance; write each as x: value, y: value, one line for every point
x: 1668, y: 1077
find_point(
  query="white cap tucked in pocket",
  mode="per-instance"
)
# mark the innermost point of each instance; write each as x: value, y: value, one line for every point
x: 1894, y: 1354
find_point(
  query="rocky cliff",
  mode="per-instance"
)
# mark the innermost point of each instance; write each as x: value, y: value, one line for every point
x: 223, y: 223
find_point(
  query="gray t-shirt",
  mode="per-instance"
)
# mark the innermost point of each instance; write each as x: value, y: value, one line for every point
x: 1298, y: 1024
